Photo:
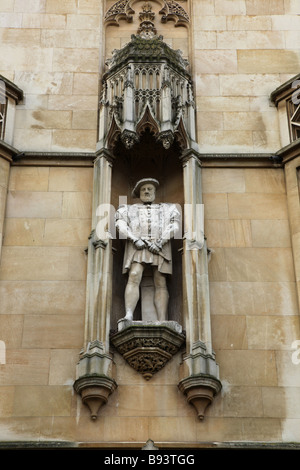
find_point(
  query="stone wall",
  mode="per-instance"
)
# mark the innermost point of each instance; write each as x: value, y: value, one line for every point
x: 239, y: 51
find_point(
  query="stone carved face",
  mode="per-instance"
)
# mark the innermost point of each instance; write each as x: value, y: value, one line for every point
x: 147, y: 192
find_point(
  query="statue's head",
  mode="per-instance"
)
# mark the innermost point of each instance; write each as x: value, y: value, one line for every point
x: 145, y: 189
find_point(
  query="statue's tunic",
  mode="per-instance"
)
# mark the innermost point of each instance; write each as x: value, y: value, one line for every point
x: 149, y: 222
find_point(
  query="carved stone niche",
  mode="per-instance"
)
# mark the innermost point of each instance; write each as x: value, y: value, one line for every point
x: 148, y: 346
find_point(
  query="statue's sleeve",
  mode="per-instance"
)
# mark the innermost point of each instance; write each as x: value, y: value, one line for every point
x: 174, y: 220
x: 123, y: 224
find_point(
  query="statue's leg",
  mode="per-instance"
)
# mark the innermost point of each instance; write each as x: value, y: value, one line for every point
x: 132, y: 291
x: 161, y: 296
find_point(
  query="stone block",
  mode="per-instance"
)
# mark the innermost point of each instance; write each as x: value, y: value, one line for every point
x: 172, y: 429
x: 230, y: 7
x: 205, y: 39
x: 26, y: 367
x: 270, y: 233
x: 225, y: 141
x: 222, y: 104
x: 157, y: 400
x: 286, y: 23
x: 113, y: 428
x: 229, y: 332
x: 89, y: 7
x: 74, y: 140
x: 10, y: 19
x: 11, y: 328
x: 85, y: 84
x: 267, y: 61
x: 281, y: 402
x: 34, y: 204
x: 257, y: 206
x: 215, y: 206
x: 28, y: 179
x: 62, y: 7
x: 43, y: 119
x: 206, y: 85
x: 248, y: 84
x: 28, y: 59
x: 24, y: 232
x: 288, y: 375
x: 42, y: 263
x: 291, y: 429
x: 75, y: 60
x: 53, y: 331
x: 62, y: 366
x: 228, y: 233
x: 70, y: 38
x: 217, y: 265
x: 217, y: 180
x: 292, y: 7
x: 272, y: 332
x: 66, y: 232
x: 42, y: 401
x: 248, y: 23
x: 44, y: 21
x: 83, y: 21
x: 34, y: 6
x: 243, y: 402
x: 6, y: 401
x: 248, y: 367
x: 77, y: 205
x: 216, y: 61
x: 272, y: 7
x: 232, y: 40
x: 259, y: 264
x: 250, y: 120
x: 6, y: 5
x: 73, y: 103
x: 266, y: 141
x: 84, y: 120
x: 253, y: 298
x: 36, y: 297
x: 266, y: 180
x: 35, y: 140
x: 4, y: 173
x: 208, y: 121
x: 70, y: 179
x: 210, y: 23
x: 18, y: 37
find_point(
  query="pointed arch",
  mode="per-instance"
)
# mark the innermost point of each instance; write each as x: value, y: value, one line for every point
x: 147, y: 121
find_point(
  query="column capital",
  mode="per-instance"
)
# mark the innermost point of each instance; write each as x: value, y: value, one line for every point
x: 7, y: 152
x: 190, y: 154
x: 104, y: 153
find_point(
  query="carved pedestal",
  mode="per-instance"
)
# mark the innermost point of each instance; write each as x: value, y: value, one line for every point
x: 148, y: 346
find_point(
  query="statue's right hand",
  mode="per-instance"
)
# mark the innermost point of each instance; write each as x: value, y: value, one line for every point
x: 139, y: 244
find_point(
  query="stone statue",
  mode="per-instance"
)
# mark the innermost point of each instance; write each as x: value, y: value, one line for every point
x: 148, y: 229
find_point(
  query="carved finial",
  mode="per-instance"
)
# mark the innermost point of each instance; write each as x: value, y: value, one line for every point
x: 147, y: 29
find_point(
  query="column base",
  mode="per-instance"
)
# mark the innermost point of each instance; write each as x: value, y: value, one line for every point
x: 94, y: 391
x: 200, y: 391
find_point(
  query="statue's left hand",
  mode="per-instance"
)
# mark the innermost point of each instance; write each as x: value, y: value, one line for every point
x: 153, y: 248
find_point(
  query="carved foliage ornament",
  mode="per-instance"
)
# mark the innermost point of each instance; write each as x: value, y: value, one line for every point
x: 122, y: 10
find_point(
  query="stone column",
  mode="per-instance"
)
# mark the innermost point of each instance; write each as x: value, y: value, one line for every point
x: 199, y: 370
x: 94, y: 382
x: 291, y: 161
x: 5, y: 162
